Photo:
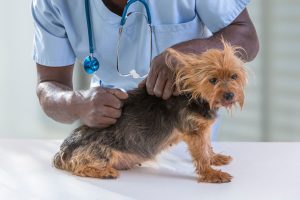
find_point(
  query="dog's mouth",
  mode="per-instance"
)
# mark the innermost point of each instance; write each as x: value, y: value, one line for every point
x: 227, y: 104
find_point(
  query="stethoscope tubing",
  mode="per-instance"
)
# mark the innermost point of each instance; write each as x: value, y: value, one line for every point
x: 89, y: 26
x: 118, y: 46
x: 129, y: 3
x: 91, y: 64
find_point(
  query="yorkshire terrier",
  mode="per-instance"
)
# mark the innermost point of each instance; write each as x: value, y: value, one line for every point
x: 149, y: 124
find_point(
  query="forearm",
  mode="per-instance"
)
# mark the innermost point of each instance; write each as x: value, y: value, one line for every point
x: 58, y: 101
x: 240, y: 33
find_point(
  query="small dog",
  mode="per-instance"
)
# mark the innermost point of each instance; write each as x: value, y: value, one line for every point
x: 149, y: 124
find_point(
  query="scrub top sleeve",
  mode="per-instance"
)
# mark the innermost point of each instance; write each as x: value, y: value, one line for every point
x: 217, y: 14
x: 51, y: 44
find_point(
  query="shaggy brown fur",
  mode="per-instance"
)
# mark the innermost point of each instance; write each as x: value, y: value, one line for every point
x: 149, y: 124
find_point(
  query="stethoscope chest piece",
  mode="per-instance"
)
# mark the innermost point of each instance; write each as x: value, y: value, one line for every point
x: 91, y: 64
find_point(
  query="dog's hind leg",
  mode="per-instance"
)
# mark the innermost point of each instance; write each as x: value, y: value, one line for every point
x: 96, y: 170
x: 92, y: 160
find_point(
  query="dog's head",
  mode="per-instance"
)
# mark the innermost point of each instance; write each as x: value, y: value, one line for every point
x: 216, y: 75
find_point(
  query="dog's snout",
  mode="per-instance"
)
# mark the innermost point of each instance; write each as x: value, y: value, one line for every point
x: 228, y: 96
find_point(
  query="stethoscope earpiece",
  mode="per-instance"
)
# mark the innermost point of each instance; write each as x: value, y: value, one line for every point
x: 91, y: 64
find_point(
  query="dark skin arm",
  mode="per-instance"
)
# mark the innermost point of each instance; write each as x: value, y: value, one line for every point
x: 96, y: 107
x: 241, y: 32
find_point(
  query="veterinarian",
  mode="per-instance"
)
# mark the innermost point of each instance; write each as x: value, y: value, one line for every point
x: 88, y: 30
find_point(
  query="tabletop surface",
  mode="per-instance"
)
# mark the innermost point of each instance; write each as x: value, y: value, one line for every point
x: 260, y: 170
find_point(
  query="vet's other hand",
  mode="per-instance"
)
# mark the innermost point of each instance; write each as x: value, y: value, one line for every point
x: 160, y: 79
x: 101, y: 107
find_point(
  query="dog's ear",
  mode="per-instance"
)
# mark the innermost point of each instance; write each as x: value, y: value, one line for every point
x: 183, y: 66
x: 175, y: 59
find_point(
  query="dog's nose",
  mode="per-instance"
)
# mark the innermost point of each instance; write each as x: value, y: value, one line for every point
x: 228, y: 96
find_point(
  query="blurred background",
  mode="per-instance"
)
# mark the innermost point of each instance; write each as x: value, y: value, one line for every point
x: 272, y: 108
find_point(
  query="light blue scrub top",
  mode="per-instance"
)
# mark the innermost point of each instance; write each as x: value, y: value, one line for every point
x: 61, y: 32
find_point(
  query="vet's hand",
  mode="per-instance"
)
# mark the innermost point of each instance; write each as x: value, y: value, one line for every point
x: 101, y: 107
x: 160, y: 79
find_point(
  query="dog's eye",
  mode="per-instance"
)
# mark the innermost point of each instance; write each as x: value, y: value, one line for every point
x: 213, y: 81
x: 234, y: 76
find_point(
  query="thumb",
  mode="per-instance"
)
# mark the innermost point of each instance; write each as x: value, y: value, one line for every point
x: 143, y: 83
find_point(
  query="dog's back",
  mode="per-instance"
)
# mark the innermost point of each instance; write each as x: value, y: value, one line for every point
x: 146, y: 123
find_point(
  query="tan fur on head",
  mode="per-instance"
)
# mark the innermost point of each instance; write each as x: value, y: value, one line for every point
x: 195, y: 74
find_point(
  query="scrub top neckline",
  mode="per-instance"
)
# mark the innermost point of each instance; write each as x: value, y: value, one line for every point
x: 106, y: 14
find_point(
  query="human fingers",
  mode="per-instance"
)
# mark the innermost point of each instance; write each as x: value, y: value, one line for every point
x: 109, y: 99
x: 168, y: 90
x: 151, y: 80
x: 97, y: 120
x: 160, y: 84
x: 111, y: 112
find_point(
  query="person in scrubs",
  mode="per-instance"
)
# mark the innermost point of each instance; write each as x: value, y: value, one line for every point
x: 188, y: 26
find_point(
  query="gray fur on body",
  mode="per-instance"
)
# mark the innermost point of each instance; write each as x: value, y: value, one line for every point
x: 146, y: 122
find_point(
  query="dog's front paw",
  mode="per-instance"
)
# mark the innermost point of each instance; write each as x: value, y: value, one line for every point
x: 219, y: 159
x: 214, y: 176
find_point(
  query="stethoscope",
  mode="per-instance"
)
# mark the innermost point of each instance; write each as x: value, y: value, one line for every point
x: 91, y: 63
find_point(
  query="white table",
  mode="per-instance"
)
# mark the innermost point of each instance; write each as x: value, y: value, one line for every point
x: 261, y: 171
